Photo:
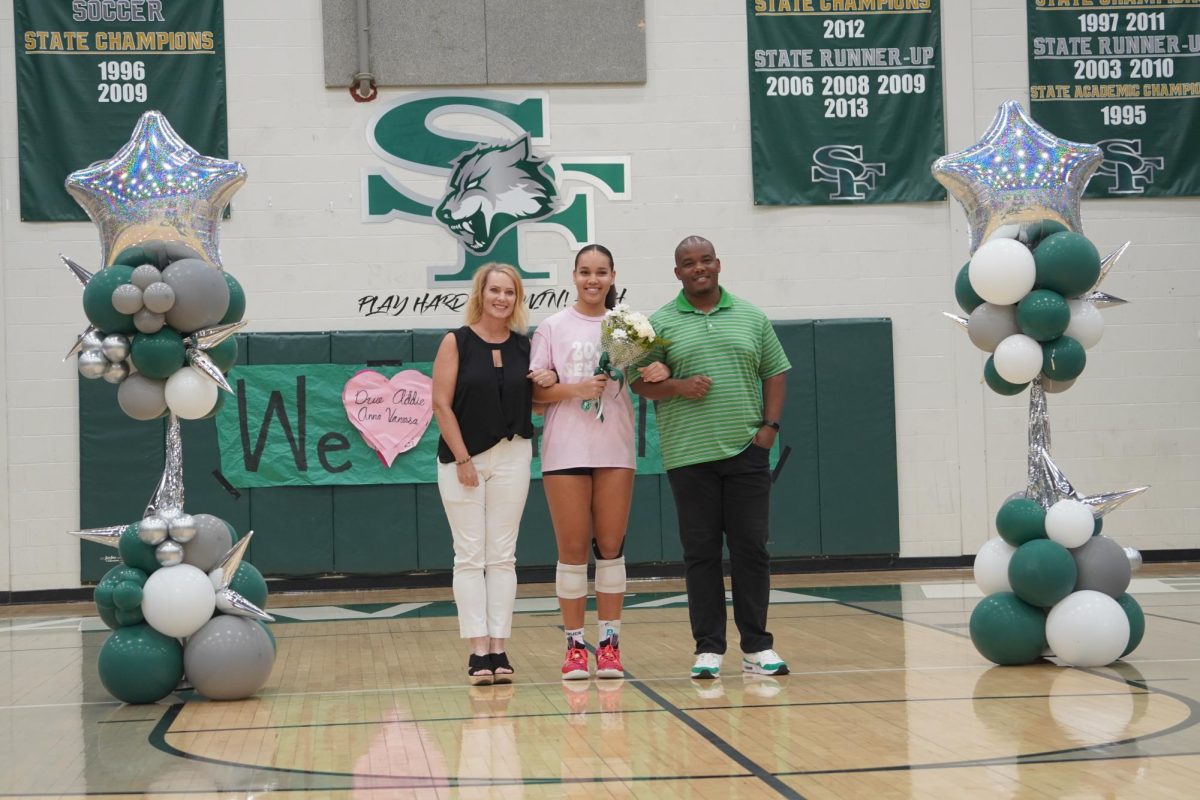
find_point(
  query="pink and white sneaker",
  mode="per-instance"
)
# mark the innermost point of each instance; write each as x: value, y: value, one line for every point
x: 575, y: 667
x: 608, y: 662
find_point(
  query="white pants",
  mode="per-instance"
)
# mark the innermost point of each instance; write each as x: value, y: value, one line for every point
x: 484, y: 521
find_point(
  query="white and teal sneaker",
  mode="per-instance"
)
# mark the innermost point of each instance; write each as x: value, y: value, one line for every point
x: 707, y: 666
x: 764, y: 662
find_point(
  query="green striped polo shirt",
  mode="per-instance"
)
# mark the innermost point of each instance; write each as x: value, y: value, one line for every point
x: 735, y: 345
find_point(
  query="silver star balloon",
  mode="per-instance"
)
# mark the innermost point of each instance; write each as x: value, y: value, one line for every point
x: 1018, y: 172
x: 157, y: 187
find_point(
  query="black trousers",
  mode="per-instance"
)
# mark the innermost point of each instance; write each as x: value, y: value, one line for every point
x: 720, y: 502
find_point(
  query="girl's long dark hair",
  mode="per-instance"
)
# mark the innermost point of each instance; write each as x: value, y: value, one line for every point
x: 610, y: 299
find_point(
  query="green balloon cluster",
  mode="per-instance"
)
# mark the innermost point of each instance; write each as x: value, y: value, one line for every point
x: 118, y: 596
x: 1007, y: 630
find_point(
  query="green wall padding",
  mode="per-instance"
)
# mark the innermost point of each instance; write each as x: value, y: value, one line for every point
x: 856, y: 436
x: 839, y: 423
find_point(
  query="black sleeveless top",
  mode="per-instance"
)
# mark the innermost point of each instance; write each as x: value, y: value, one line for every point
x: 490, y: 404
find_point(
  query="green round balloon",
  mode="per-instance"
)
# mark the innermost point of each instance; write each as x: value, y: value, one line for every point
x: 998, y: 384
x: 237, y: 300
x: 127, y: 618
x: 1097, y: 526
x: 1033, y: 232
x: 1063, y: 359
x: 1066, y: 263
x: 136, y: 256
x: 250, y: 584
x: 97, y: 300
x: 136, y: 553
x: 1007, y: 630
x: 1043, y: 315
x: 1137, y: 622
x: 158, y: 355
x: 1042, y: 572
x: 964, y: 293
x: 225, y: 354
x: 127, y: 596
x: 140, y: 665
x: 1021, y: 520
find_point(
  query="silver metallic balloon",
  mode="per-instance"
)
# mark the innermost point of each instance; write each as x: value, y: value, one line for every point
x: 230, y: 602
x: 1018, y: 172
x: 230, y: 658
x: 115, y: 347
x: 127, y: 298
x: 167, y: 500
x: 209, y: 338
x: 223, y: 573
x: 159, y: 297
x: 157, y: 187
x: 109, y: 536
x: 209, y: 368
x: 148, y: 321
x: 92, y: 364
x: 82, y: 275
x: 1134, y: 557
x: 116, y: 372
x: 145, y: 275
x: 169, y: 553
x: 89, y: 340
x: 182, y: 529
x: 153, y: 530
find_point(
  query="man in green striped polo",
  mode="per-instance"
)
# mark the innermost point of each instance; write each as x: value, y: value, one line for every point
x: 718, y: 415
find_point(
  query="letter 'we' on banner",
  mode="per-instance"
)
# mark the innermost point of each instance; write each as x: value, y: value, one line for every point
x: 88, y: 69
x: 845, y: 105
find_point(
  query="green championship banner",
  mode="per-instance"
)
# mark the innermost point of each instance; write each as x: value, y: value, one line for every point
x: 309, y: 425
x: 845, y: 100
x: 87, y: 69
x: 1124, y: 76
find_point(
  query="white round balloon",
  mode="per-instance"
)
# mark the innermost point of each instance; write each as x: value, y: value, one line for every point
x: 1087, y: 629
x: 1002, y: 271
x: 177, y: 601
x: 1018, y: 358
x: 1070, y: 523
x: 190, y: 393
x: 991, y: 566
x: 1087, y: 323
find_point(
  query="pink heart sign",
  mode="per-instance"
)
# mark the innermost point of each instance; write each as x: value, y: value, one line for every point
x: 390, y: 413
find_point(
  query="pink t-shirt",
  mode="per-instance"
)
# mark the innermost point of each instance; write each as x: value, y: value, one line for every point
x: 569, y: 343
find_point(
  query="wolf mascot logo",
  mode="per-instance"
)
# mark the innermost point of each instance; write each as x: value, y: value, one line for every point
x: 496, y: 186
x: 492, y: 189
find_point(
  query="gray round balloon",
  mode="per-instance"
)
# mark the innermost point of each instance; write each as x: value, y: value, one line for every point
x: 159, y: 297
x: 990, y: 324
x: 141, y: 397
x: 148, y: 321
x: 1102, y: 566
x: 127, y: 298
x: 230, y: 658
x: 201, y: 295
x: 211, y: 541
x: 1054, y: 387
x: 145, y: 275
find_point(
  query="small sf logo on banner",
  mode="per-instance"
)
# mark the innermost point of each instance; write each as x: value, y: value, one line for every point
x: 843, y: 166
x: 496, y: 187
x: 1124, y: 164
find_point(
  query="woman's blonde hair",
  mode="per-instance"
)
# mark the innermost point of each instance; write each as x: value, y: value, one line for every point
x: 519, y: 321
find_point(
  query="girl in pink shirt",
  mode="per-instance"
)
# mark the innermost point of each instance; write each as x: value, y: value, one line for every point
x: 587, y: 465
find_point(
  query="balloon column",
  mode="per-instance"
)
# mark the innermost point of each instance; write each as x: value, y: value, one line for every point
x: 1031, y: 292
x: 162, y: 315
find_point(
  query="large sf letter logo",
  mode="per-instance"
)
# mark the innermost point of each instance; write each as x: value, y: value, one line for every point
x: 496, y: 187
x: 1124, y: 163
x: 843, y: 166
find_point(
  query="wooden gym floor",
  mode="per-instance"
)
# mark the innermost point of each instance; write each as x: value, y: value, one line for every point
x: 888, y: 698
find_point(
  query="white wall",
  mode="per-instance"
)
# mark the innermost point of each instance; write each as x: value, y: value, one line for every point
x: 298, y: 245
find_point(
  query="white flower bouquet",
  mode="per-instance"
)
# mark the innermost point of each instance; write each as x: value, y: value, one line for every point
x: 626, y: 336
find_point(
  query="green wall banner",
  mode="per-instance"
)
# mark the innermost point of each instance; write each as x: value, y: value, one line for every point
x: 288, y: 425
x: 845, y: 100
x: 1124, y: 76
x: 87, y: 69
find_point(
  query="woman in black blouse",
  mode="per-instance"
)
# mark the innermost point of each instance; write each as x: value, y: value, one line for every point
x: 482, y: 398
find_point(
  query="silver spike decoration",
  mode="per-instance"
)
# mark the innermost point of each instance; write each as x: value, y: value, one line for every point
x: 223, y: 573
x: 209, y: 338
x: 1108, y: 262
x: 211, y: 371
x: 79, y: 341
x: 82, y: 275
x: 960, y: 321
x: 1103, y: 299
x: 230, y: 602
x: 109, y: 536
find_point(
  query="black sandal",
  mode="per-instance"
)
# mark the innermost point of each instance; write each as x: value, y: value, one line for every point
x: 479, y: 670
x: 499, y: 662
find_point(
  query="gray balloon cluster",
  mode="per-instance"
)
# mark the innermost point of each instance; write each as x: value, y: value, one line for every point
x: 229, y: 658
x: 1103, y: 566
